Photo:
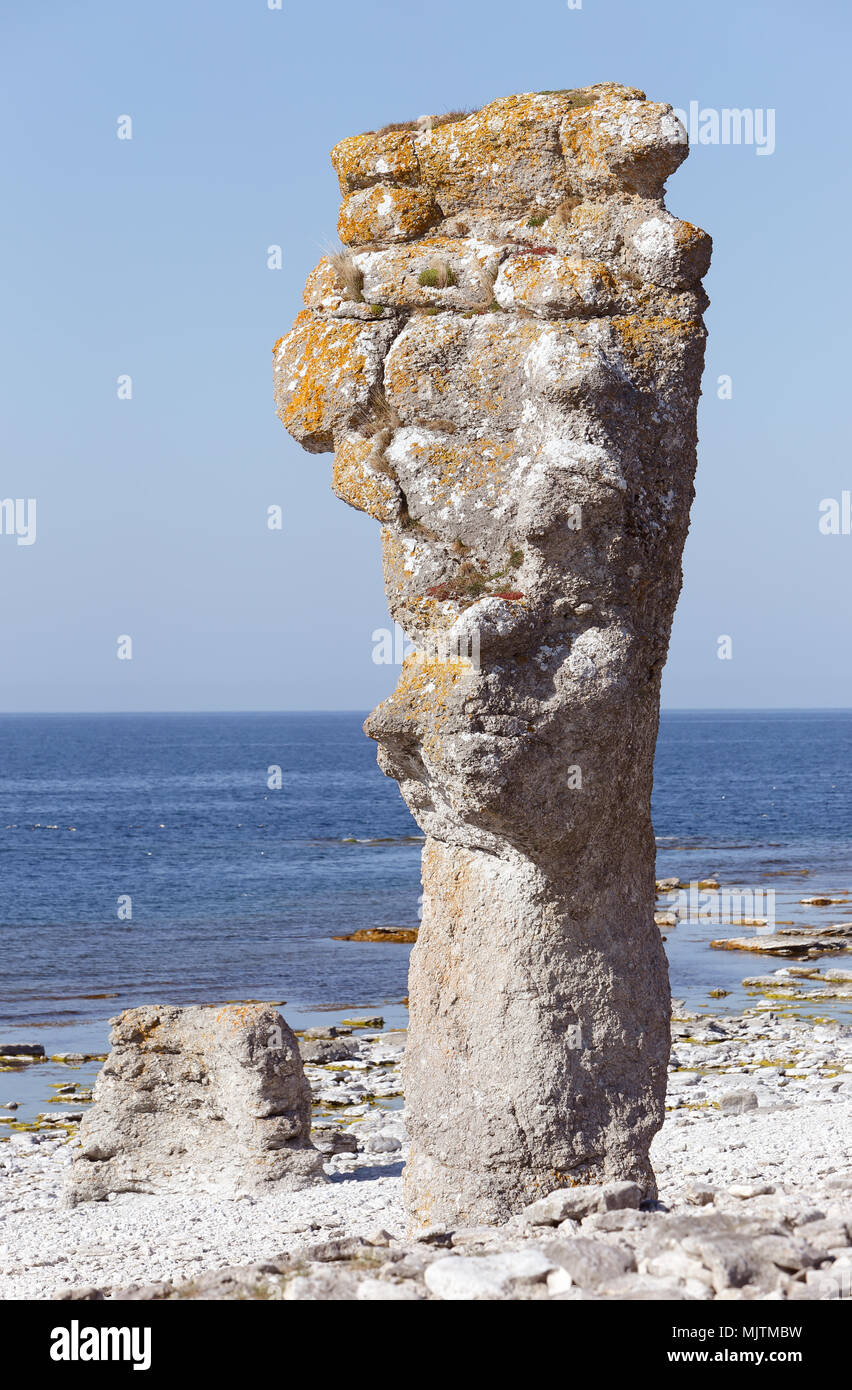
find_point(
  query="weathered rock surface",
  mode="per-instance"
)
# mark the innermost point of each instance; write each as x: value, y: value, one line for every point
x: 506, y: 363
x: 199, y: 1099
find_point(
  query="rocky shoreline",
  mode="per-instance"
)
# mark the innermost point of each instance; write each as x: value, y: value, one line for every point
x: 752, y: 1163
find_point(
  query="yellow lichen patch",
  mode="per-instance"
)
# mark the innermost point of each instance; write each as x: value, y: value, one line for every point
x: 463, y: 368
x: 617, y: 142
x: 362, y: 486
x: 647, y: 343
x: 565, y: 284
x: 322, y: 288
x: 385, y: 213
x: 400, y: 275
x: 235, y: 1017
x: 505, y: 155
x: 590, y: 219
x: 686, y: 233
x: 424, y: 694
x: 456, y: 470
x: 585, y: 147
x: 360, y: 160
x: 324, y: 371
x: 396, y: 560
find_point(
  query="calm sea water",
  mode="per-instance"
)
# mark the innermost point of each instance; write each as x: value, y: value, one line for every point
x: 237, y: 890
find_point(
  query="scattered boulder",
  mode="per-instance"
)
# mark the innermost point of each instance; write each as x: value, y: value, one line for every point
x: 475, y: 1277
x: 335, y: 1141
x: 590, y: 1263
x: 209, y: 1099
x: 573, y: 1203
x: 323, y: 1050
x: 738, y: 1102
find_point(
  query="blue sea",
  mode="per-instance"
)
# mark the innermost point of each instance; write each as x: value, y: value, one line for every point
x: 237, y: 889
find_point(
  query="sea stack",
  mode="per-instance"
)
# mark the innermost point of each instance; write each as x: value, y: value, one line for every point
x: 505, y: 358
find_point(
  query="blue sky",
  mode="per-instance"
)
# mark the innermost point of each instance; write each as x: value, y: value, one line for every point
x: 148, y: 257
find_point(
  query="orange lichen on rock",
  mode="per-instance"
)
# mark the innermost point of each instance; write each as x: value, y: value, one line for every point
x: 454, y: 470
x: 322, y: 289
x: 361, y: 160
x: 425, y: 686
x: 647, y: 342
x: 325, y: 370
x: 384, y: 212
x: 507, y: 155
x: 623, y: 144
x: 459, y: 367
x: 364, y: 487
x: 568, y: 285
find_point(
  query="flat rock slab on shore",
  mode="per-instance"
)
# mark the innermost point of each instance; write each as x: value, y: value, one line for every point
x: 820, y: 941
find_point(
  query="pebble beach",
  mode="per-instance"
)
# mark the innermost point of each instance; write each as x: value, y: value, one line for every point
x: 755, y: 1195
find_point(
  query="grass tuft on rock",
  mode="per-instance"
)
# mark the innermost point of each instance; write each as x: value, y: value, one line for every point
x: 439, y: 276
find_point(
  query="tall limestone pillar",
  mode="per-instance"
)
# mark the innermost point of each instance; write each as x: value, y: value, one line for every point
x: 505, y: 359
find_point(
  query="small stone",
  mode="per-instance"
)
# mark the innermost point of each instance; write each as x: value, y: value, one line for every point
x: 677, y: 1264
x: 748, y: 1190
x: 434, y: 1235
x: 335, y: 1141
x: 590, y: 1263
x: 380, y: 1238
x: 476, y: 1277
x: 559, y: 1281
x: 383, y: 1291
x: 320, y: 1051
x: 645, y: 1288
x: 474, y: 1235
x: 839, y: 1182
x: 700, y: 1194
x: 732, y: 1260
x: 566, y: 1203
x: 382, y: 1144
x: 737, y: 1102
x: 786, y: 1252
x: 620, y: 1196
x: 623, y: 1220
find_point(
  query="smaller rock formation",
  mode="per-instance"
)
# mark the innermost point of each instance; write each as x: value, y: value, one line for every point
x: 199, y: 1099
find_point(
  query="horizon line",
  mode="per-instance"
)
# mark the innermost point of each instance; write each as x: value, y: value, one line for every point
x: 665, y: 709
